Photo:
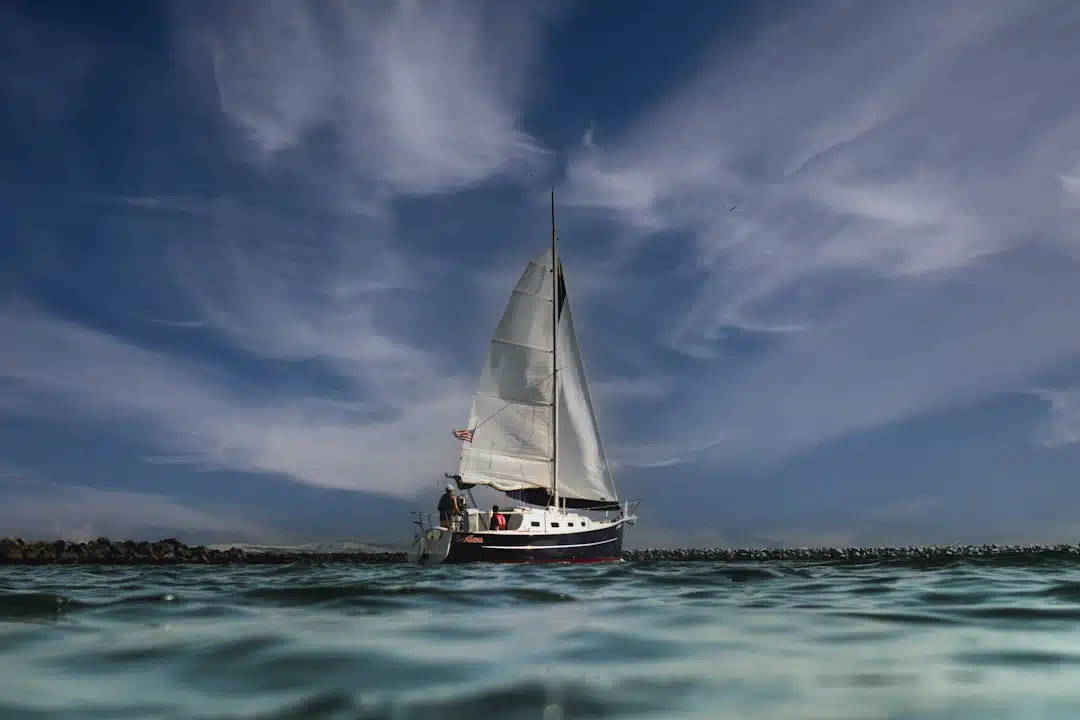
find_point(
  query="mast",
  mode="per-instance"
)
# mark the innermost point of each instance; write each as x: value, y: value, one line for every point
x: 555, y: 359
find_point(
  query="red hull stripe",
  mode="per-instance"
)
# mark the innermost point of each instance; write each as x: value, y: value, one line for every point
x: 548, y: 561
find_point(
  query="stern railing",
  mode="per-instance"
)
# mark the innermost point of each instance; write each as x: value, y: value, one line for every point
x: 431, y: 520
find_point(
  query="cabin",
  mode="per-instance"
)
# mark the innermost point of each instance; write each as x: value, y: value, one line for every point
x: 527, y: 520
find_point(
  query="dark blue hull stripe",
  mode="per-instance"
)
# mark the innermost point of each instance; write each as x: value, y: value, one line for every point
x: 589, y: 545
x: 548, y: 547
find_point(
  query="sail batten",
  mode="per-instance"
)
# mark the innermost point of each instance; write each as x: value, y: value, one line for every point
x: 521, y: 345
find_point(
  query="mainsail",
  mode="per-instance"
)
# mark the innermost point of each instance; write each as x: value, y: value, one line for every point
x: 534, y: 432
x: 512, y: 418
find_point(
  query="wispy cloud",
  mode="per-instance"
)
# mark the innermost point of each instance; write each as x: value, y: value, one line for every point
x: 1070, y: 184
x: 850, y: 215
x: 311, y: 362
x: 419, y: 97
x: 1062, y: 425
x: 896, y: 172
x: 34, y: 507
x: 381, y: 438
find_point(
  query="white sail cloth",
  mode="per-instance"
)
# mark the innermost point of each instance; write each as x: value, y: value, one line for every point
x: 513, y: 416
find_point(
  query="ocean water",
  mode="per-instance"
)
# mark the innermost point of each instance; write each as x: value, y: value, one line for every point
x: 968, y: 639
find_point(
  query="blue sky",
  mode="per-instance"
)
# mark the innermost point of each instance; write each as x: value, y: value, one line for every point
x: 251, y: 255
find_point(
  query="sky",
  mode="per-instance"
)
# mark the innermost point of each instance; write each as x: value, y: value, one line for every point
x: 824, y: 260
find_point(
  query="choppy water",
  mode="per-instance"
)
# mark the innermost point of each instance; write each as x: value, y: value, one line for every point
x: 968, y: 640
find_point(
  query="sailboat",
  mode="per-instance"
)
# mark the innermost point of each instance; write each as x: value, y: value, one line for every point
x: 532, y: 435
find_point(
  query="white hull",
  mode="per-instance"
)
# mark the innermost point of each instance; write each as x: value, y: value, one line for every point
x: 430, y: 547
x: 532, y: 535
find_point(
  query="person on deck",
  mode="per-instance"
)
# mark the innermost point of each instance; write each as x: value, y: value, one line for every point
x: 449, y: 508
x: 498, y: 520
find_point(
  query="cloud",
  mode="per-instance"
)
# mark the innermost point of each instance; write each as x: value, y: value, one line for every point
x: 418, y: 97
x: 34, y: 507
x: 897, y: 175
x: 1070, y: 184
x: 1062, y: 426
x: 851, y: 215
x: 206, y: 418
x: 302, y: 329
x: 628, y: 389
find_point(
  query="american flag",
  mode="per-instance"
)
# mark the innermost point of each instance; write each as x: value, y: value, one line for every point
x: 465, y: 435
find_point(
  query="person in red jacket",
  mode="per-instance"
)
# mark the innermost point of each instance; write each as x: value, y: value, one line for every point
x: 498, y: 520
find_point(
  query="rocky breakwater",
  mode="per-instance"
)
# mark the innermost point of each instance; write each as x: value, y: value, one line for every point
x: 931, y: 553
x: 15, y: 551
